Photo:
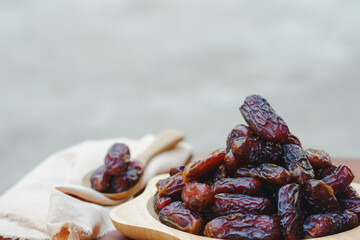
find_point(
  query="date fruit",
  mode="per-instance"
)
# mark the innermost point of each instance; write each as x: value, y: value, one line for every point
x: 231, y: 163
x: 352, y: 205
x: 160, y: 202
x: 339, y: 179
x: 289, y: 211
x: 225, y: 204
x: 100, y: 180
x: 297, y: 164
x: 175, y: 170
x: 244, y: 226
x: 179, y: 216
x: 320, y: 197
x: 266, y: 172
x: 318, y: 158
x: 171, y: 186
x: 329, y: 223
x: 253, y: 150
x: 197, y: 196
x: 246, y: 185
x: 263, y: 120
x: 195, y: 170
x: 128, y: 178
x: 117, y: 159
x: 350, y: 192
x: 239, y: 130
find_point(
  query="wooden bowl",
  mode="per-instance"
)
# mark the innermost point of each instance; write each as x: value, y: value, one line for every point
x: 137, y: 219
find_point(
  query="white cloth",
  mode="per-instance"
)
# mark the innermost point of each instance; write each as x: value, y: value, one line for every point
x: 35, y: 209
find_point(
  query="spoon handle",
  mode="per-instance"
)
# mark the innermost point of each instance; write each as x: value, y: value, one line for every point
x: 165, y: 140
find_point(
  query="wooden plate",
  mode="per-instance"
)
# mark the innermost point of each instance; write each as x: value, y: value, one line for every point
x: 137, y: 219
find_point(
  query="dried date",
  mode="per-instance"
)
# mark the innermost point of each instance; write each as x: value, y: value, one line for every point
x: 179, y: 216
x: 297, y: 164
x: 318, y: 158
x: 197, y: 196
x: 239, y: 130
x: 320, y: 197
x: 263, y: 120
x: 329, y: 223
x: 253, y: 150
x: 100, y: 180
x: 175, y: 170
x: 128, y: 178
x: 292, y: 139
x: 160, y: 202
x: 246, y: 185
x: 349, y: 192
x: 225, y: 204
x: 339, y: 179
x: 195, y: 170
x: 351, y: 204
x: 244, y: 226
x: 171, y: 186
x: 231, y: 163
x: 266, y: 172
x: 326, y: 171
x: 117, y: 158
x: 289, y: 211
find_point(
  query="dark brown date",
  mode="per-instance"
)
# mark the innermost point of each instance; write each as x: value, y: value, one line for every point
x: 225, y: 204
x: 253, y: 150
x: 160, y: 202
x: 266, y: 172
x: 117, y: 158
x: 329, y: 223
x: 246, y: 185
x: 297, y: 164
x: 326, y: 171
x: 195, y: 170
x: 352, y: 205
x: 197, y: 196
x: 244, y: 227
x: 318, y: 158
x: 263, y: 120
x: 292, y: 139
x: 349, y: 192
x: 171, y: 186
x: 175, y: 170
x: 179, y: 216
x: 128, y: 178
x: 231, y: 163
x: 320, y: 197
x: 339, y: 179
x: 239, y: 130
x: 289, y: 211
x: 100, y: 180
x: 220, y: 173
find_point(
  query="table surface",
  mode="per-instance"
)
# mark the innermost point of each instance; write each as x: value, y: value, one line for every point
x: 354, y: 165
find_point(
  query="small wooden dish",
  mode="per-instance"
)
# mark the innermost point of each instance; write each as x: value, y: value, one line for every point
x: 137, y: 219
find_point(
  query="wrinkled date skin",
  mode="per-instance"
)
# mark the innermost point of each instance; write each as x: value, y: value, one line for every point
x: 239, y: 130
x: 292, y: 139
x: 339, y: 179
x: 350, y: 192
x: 253, y: 150
x: 320, y: 197
x: 326, y: 171
x: 352, y: 205
x: 329, y: 223
x: 117, y: 159
x: 175, y: 170
x: 225, y: 204
x: 297, y: 164
x: 289, y: 211
x: 244, y: 226
x: 263, y: 120
x: 266, y: 172
x: 128, y: 178
x: 195, y: 170
x: 318, y: 158
x: 160, y: 202
x: 246, y: 185
x: 171, y: 186
x: 179, y: 216
x: 100, y: 180
x: 197, y: 196
x: 231, y: 163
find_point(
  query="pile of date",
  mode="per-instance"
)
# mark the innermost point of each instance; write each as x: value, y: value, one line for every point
x: 262, y: 186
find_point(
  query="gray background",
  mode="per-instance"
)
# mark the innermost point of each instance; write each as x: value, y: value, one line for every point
x: 77, y: 70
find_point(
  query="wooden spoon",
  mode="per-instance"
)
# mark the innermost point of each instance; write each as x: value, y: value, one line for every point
x: 137, y: 219
x: 165, y: 140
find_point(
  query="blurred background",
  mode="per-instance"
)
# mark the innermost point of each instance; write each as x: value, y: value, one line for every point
x: 71, y: 71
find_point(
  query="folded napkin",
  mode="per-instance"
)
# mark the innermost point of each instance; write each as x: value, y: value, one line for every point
x: 35, y: 209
